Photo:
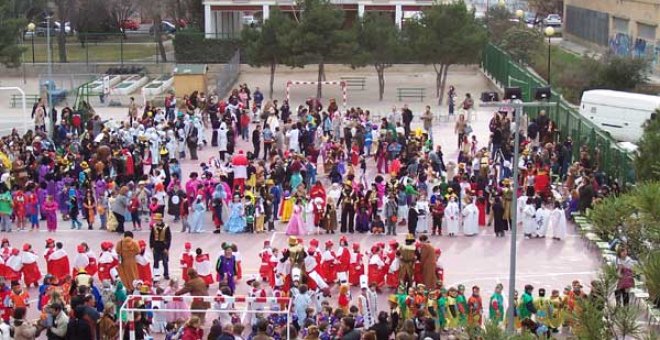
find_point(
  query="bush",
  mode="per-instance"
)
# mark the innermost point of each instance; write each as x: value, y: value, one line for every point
x: 194, y: 48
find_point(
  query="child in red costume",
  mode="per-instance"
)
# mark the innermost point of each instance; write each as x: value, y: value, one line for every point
x: 187, y: 260
x: 30, y: 268
x: 376, y: 268
x: 19, y: 209
x: 143, y: 260
x: 328, y: 263
x: 14, y: 266
x: 108, y: 262
x: 266, y: 268
x: 392, y: 265
x: 356, y: 268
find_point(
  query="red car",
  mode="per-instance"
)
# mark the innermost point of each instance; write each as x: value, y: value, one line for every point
x: 129, y: 24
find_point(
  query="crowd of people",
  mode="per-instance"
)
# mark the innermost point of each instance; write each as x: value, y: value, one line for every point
x: 309, y: 171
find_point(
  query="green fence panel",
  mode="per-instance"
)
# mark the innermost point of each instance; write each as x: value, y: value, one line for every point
x: 614, y: 161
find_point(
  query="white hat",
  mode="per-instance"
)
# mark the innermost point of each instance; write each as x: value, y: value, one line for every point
x: 295, y: 274
x: 363, y: 282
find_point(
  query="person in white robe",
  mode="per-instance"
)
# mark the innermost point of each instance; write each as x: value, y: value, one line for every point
x: 542, y: 216
x: 520, y: 206
x: 452, y: 216
x: 423, y: 218
x: 557, y: 222
x: 311, y: 265
x: 367, y: 304
x: 528, y: 220
x: 470, y: 218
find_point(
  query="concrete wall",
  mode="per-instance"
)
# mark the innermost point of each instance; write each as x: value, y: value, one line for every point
x: 633, y: 27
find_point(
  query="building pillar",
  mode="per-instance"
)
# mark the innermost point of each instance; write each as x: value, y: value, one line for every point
x: 398, y: 16
x: 209, y: 20
x: 266, y: 12
x: 360, y: 10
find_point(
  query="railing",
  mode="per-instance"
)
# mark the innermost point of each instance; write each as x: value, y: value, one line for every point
x: 612, y: 160
x: 229, y: 74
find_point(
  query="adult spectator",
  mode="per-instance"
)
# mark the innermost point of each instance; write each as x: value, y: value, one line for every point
x: 160, y: 239
x: 78, y: 328
x: 407, y: 117
x: 192, y: 330
x: 382, y: 328
x: 429, y: 331
x: 196, y: 286
x: 262, y: 331
x: 23, y: 329
x: 127, y: 248
x: 119, y: 208
x: 227, y: 331
x: 624, y: 267
x: 348, y: 329
x: 58, y: 330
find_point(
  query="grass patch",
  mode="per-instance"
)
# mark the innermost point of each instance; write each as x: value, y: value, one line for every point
x: 101, y: 52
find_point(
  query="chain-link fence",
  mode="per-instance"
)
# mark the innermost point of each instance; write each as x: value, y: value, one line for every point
x: 613, y: 160
x: 119, y: 48
x: 228, y: 75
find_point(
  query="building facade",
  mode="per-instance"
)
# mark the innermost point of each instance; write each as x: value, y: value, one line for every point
x: 226, y: 18
x: 625, y: 27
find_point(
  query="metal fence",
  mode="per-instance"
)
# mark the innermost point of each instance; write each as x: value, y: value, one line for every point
x: 613, y: 160
x: 130, y: 47
x: 592, y: 26
x: 228, y: 75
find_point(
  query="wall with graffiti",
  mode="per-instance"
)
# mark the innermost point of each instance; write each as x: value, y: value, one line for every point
x: 624, y: 45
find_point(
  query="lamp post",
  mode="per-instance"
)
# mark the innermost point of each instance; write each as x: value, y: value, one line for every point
x: 549, y: 32
x: 519, y: 15
x: 30, y: 28
x: 50, y: 76
x: 518, y: 106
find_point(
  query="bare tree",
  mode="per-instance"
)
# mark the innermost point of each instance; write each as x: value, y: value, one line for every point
x: 121, y: 10
x: 154, y: 9
x: 64, y: 10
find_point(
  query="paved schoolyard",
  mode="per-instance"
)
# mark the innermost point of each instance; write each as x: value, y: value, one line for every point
x: 482, y: 260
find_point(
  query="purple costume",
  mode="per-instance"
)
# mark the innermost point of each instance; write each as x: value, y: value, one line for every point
x: 227, y: 268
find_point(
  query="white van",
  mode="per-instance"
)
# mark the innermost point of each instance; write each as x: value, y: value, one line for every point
x: 622, y: 114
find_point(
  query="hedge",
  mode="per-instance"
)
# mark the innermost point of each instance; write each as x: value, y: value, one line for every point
x: 193, y: 48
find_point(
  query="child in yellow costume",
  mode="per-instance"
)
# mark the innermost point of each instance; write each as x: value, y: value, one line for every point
x: 286, y: 208
x: 557, y: 318
x: 452, y: 313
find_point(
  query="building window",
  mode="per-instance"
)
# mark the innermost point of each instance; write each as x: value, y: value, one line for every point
x: 646, y: 32
x: 620, y: 25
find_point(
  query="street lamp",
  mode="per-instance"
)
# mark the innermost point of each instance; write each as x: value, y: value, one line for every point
x: 519, y: 15
x: 30, y: 27
x: 549, y: 32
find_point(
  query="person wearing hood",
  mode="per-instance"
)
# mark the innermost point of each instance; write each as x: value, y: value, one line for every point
x: 197, y: 220
x: 222, y: 140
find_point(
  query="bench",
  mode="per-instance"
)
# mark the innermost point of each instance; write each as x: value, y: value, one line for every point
x: 30, y: 99
x: 354, y: 82
x: 411, y: 92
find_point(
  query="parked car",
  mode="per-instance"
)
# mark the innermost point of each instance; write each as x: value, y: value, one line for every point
x: 165, y: 27
x: 531, y: 19
x: 42, y: 28
x: 552, y: 20
x: 130, y: 25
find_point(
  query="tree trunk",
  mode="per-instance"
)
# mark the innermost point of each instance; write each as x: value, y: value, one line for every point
x: 273, y: 66
x: 438, y: 79
x: 380, y: 70
x: 61, y: 42
x: 158, y: 36
x: 319, y: 84
x: 443, y: 83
